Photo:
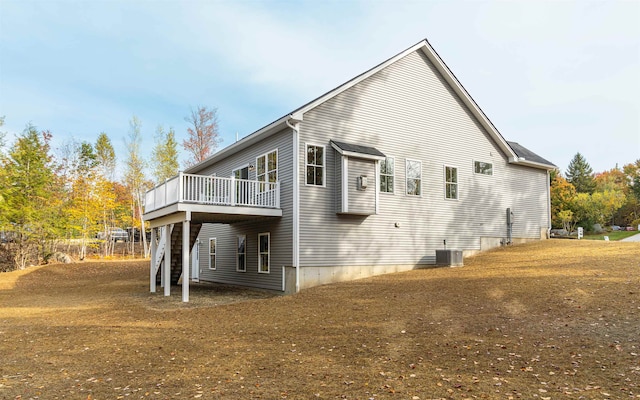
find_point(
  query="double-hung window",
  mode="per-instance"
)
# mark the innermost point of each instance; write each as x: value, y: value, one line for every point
x: 451, y: 182
x: 267, y: 169
x: 315, y: 163
x: 241, y: 254
x: 212, y: 253
x: 263, y: 253
x: 414, y: 177
x: 387, y: 169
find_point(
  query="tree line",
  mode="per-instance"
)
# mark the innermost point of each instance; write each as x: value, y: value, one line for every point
x: 52, y: 198
x: 584, y: 198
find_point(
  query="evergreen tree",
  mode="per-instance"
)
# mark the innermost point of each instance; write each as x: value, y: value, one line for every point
x: 580, y: 174
x: 27, y: 187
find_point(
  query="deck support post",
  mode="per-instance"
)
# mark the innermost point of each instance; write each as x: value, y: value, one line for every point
x: 166, y: 272
x: 185, y: 259
x: 153, y: 270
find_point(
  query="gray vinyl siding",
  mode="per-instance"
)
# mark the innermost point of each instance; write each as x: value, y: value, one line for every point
x: 408, y: 111
x: 280, y: 229
x: 337, y: 179
x: 361, y: 201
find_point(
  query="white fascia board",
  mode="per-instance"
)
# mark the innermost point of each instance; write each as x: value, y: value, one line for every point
x: 466, y: 98
x: 243, y: 143
x: 533, y: 164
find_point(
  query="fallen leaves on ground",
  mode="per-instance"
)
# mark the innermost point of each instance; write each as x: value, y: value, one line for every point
x: 548, y: 320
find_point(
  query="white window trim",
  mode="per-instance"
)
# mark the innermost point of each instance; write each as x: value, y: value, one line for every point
x: 393, y: 176
x: 444, y: 174
x: 268, y: 234
x: 245, y: 254
x: 406, y: 177
x: 213, y: 268
x: 266, y: 164
x: 473, y: 165
x: 324, y: 164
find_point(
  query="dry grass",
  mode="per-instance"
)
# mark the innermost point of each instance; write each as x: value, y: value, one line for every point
x: 555, y: 319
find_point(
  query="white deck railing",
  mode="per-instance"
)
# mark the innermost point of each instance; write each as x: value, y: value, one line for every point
x: 212, y: 190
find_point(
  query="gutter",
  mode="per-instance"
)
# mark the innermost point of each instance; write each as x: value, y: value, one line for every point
x: 533, y: 164
x: 549, y: 203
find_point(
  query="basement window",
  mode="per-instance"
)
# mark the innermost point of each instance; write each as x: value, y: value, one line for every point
x: 241, y: 254
x: 263, y: 253
x: 212, y: 253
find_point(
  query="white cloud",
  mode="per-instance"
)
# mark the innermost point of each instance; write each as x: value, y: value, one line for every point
x: 551, y: 75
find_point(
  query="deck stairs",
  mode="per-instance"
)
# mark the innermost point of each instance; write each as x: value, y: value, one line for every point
x: 176, y: 250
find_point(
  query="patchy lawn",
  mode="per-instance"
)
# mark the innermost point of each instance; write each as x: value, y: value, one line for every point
x: 554, y: 319
x: 613, y: 235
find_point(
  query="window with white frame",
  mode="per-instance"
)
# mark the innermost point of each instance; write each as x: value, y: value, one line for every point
x: 315, y: 163
x: 263, y: 253
x: 387, y: 172
x: 451, y: 182
x: 241, y: 254
x: 414, y: 177
x: 267, y: 169
x: 212, y: 253
x: 483, y: 168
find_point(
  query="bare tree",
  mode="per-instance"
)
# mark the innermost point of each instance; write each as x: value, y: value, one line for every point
x: 134, y: 175
x: 203, y: 134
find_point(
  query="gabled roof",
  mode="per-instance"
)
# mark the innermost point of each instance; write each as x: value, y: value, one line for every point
x: 432, y: 55
x: 527, y: 156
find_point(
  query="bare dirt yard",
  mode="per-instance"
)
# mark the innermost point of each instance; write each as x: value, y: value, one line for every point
x: 548, y: 320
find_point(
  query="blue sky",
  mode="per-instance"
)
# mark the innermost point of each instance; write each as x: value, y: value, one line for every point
x: 557, y: 77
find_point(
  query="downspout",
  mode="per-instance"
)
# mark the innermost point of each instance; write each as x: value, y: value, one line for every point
x: 548, y: 204
x: 296, y: 200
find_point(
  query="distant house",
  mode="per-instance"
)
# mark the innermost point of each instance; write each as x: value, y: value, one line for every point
x: 370, y: 178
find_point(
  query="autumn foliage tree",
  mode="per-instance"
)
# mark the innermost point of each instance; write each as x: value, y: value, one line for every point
x: 606, y: 198
x: 105, y: 156
x: 203, y: 136
x: 562, y: 195
x: 83, y: 210
x: 164, y: 158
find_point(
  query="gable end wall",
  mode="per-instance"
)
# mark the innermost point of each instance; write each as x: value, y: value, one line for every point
x: 408, y: 111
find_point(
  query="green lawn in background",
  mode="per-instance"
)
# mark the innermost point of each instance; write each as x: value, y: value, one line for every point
x: 614, y: 235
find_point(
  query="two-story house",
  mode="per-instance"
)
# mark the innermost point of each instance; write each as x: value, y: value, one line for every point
x: 370, y: 178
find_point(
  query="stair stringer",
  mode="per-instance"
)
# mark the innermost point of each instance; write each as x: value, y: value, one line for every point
x: 176, y: 248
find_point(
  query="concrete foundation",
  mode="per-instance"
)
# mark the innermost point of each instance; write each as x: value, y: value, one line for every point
x: 316, y: 276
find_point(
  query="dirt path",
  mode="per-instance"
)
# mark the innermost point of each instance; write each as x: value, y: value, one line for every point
x: 556, y: 319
